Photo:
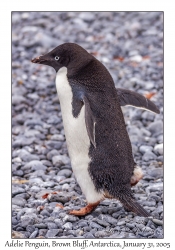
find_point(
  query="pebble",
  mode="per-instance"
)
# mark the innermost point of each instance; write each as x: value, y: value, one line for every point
x: 156, y: 172
x: 148, y: 156
x: 18, y: 201
x: 60, y: 159
x: 54, y: 144
x: 144, y: 148
x: 157, y: 222
x: 17, y: 190
x: 67, y: 226
x: 34, y: 165
x: 40, y: 225
x: 52, y: 225
x: 158, y: 149
x: 30, y: 228
x: 34, y: 234
x: 156, y: 127
x: 52, y: 153
x: 95, y: 225
x: 27, y: 220
x: 52, y: 233
x: 109, y: 219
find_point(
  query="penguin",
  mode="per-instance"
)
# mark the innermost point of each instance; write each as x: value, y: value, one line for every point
x: 98, y: 143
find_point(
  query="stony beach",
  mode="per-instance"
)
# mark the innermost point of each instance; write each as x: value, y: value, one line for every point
x: 44, y: 189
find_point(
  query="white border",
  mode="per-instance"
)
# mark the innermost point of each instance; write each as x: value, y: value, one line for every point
x: 5, y: 95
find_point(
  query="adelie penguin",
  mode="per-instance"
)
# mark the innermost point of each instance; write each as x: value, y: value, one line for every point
x: 98, y: 143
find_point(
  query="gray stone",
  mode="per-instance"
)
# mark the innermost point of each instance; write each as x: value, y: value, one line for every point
x: 46, y: 163
x: 42, y: 232
x: 121, y: 223
x: 144, y: 148
x: 49, y: 184
x: 30, y: 228
x: 59, y: 178
x: 158, y: 149
x: 17, y: 99
x: 54, y: 144
x: 159, y: 209
x: 60, y: 160
x: 86, y: 16
x: 155, y: 187
x: 14, y: 221
x: 52, y: 225
x: 58, y: 198
x: 102, y: 222
x: 95, y: 225
x: 35, y: 165
x: 33, y: 122
x: 18, y: 201
x: 101, y: 234
x: 17, y: 190
x: 54, y: 120
x: 20, y: 142
x: 149, y: 203
x: 36, y: 180
x: 34, y: 234
x: 57, y: 137
x: 65, y: 172
x: 109, y: 219
x: 52, y: 153
x: 40, y: 225
x: 149, y: 156
x: 130, y: 225
x: 31, y: 133
x: 156, y: 127
x: 35, y: 189
x: 29, y: 157
x: 156, y: 172
x: 27, y: 220
x: 158, y: 233
x: 89, y: 235
x: 67, y: 226
x: 18, y: 173
x: 52, y: 233
x: 82, y: 224
x: 70, y: 218
x: 148, y: 115
x: 65, y: 186
x: 45, y: 213
x: 158, y: 222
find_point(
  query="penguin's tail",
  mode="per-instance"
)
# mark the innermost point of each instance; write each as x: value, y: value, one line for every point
x: 131, y: 205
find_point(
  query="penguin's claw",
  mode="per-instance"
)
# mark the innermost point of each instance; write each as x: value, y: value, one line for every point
x: 85, y: 210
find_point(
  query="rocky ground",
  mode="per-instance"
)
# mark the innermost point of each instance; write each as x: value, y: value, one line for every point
x: 130, y: 45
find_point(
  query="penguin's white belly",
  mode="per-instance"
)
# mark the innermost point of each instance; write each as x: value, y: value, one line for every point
x: 77, y: 139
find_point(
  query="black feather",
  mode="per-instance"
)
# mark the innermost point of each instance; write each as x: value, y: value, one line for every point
x: 128, y: 97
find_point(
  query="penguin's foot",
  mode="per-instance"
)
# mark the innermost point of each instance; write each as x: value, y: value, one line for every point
x: 85, y: 210
x: 137, y: 176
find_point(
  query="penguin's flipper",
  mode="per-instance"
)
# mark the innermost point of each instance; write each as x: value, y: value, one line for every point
x: 90, y: 121
x: 133, y: 206
x: 131, y: 98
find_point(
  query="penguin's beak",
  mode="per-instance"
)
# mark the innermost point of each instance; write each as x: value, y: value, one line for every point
x: 40, y: 60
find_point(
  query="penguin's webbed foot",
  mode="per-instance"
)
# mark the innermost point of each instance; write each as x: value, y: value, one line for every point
x: 85, y: 210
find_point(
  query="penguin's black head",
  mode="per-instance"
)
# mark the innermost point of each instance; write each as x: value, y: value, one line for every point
x: 68, y: 55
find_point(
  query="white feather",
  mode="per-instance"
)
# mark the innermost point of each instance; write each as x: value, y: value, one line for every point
x: 77, y: 139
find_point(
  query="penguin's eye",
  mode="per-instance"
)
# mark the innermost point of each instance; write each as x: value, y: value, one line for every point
x: 56, y: 58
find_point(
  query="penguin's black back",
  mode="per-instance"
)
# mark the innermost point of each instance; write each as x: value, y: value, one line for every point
x: 112, y: 163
